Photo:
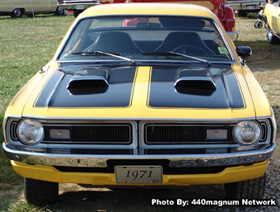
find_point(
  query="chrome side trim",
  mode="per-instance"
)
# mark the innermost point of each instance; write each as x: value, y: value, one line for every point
x: 231, y: 51
x: 200, y: 160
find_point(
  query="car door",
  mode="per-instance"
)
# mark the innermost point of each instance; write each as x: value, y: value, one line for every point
x: 44, y: 5
x: 10, y: 5
x: 278, y: 20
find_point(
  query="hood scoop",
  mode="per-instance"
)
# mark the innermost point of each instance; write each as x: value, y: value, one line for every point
x: 94, y: 82
x: 194, y: 82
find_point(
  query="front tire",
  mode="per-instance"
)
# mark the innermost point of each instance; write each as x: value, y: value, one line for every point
x: 76, y: 13
x: 249, y: 189
x: 59, y: 12
x: 40, y: 192
x: 17, y: 13
x: 241, y: 13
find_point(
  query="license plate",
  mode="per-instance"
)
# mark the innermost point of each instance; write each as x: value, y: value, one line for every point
x: 251, y: 7
x: 80, y: 7
x: 138, y: 174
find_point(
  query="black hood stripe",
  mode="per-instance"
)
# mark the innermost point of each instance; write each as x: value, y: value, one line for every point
x: 227, y: 93
x: 162, y: 92
x: 118, y: 94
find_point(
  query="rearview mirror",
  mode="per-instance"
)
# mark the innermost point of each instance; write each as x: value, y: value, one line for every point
x: 244, y: 52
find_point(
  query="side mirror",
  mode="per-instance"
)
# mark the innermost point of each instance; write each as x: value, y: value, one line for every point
x: 244, y: 52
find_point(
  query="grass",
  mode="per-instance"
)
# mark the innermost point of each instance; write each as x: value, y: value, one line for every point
x: 264, y: 61
x: 28, y: 44
x: 20, y: 207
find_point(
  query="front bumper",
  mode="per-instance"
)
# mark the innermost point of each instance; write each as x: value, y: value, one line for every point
x: 249, y: 6
x: 228, y: 175
x: 175, y: 161
x: 76, y: 6
x: 233, y: 35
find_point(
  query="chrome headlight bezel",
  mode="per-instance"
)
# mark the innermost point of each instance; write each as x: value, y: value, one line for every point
x: 30, y: 131
x: 247, y: 132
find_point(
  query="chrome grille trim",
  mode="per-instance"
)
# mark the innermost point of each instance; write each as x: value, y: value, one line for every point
x: 13, y: 130
x: 265, y: 131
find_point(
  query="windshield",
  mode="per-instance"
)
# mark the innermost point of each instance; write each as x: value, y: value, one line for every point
x: 145, y: 38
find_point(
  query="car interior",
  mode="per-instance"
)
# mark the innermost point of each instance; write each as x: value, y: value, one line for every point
x: 194, y: 37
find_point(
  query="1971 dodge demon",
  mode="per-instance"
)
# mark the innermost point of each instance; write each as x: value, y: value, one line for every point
x: 168, y: 101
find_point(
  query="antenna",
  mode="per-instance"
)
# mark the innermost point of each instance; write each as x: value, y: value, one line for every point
x: 36, y: 36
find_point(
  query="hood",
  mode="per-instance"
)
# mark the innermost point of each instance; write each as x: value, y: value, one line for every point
x: 139, y: 93
x: 186, y: 87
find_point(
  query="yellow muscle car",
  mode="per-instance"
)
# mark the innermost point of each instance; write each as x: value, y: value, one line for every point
x: 272, y: 20
x: 168, y: 101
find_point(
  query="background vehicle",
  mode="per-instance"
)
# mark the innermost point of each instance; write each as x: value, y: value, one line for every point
x: 17, y: 8
x: 272, y: 21
x: 223, y: 12
x: 77, y: 6
x: 243, y: 7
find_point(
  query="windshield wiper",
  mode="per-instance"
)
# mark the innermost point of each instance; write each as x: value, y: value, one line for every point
x: 191, y: 57
x: 105, y: 53
x: 178, y: 54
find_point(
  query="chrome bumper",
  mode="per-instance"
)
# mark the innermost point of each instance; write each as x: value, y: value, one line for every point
x: 199, y: 160
x: 249, y: 6
x: 77, y: 6
x: 233, y: 35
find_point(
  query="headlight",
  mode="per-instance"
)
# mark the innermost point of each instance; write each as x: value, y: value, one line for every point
x: 30, y: 132
x: 247, y: 132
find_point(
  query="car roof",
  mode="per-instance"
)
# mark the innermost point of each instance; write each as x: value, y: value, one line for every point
x: 148, y: 9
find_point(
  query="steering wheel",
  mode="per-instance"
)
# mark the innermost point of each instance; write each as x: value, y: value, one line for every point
x: 189, y: 49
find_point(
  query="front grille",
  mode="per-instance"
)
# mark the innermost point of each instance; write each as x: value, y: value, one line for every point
x: 173, y: 151
x: 157, y: 133
x: 104, y: 133
x: 137, y: 138
x: 102, y: 151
